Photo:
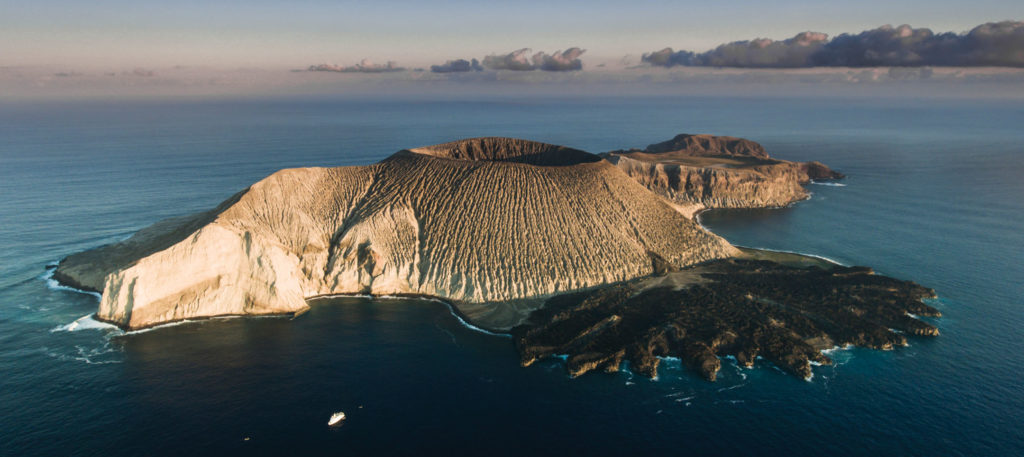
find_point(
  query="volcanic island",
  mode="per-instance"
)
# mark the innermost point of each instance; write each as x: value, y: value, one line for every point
x: 597, y: 258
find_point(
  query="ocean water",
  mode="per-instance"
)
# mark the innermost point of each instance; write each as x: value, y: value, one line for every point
x: 935, y: 194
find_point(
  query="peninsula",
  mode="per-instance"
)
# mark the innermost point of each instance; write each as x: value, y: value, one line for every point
x: 595, y: 257
x: 700, y: 172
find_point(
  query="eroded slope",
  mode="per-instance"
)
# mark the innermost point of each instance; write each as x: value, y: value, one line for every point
x: 477, y: 221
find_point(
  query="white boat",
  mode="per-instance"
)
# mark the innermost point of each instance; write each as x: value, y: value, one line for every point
x: 336, y: 418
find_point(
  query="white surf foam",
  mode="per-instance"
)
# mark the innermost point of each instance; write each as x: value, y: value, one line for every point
x: 816, y: 256
x: 85, y: 323
x: 466, y: 324
x: 828, y: 183
x: 737, y: 366
x: 54, y: 285
x: 670, y: 363
x: 204, y: 320
x: 737, y: 386
x: 174, y: 324
x: 836, y: 348
x: 101, y: 355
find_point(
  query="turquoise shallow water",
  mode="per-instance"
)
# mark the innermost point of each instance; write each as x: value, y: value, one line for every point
x: 934, y: 194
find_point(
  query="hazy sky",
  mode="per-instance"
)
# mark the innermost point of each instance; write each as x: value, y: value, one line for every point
x: 80, y: 34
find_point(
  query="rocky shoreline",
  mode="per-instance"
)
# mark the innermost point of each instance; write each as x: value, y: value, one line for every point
x: 784, y: 307
x: 603, y: 261
x: 734, y: 307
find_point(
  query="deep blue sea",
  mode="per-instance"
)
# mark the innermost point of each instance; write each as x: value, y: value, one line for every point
x: 935, y: 194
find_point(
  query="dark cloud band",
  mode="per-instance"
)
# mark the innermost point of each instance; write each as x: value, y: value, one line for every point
x: 991, y: 44
x: 568, y: 60
x: 457, y: 66
x: 365, y: 66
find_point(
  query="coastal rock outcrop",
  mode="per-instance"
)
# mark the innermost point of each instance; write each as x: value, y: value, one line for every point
x: 733, y: 307
x: 705, y: 171
x: 474, y: 222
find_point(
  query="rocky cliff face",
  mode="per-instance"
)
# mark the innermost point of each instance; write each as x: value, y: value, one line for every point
x: 704, y: 171
x: 475, y: 221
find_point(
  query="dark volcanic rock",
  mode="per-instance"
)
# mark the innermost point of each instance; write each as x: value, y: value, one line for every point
x: 744, y: 308
x: 817, y: 170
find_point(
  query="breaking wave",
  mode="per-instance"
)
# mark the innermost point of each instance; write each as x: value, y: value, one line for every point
x: 85, y: 323
x: 53, y: 284
x: 828, y: 183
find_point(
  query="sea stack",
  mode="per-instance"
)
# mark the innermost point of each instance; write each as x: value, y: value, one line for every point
x: 474, y: 222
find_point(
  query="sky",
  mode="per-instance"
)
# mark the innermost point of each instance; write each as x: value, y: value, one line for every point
x: 103, y: 35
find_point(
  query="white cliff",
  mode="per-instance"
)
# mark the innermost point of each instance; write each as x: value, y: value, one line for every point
x: 476, y: 222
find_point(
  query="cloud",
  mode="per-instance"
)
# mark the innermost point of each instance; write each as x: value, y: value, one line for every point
x: 559, y: 61
x: 517, y: 60
x: 669, y: 58
x: 366, y: 66
x: 457, y: 66
x: 995, y: 44
x: 760, y: 53
x: 991, y: 44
